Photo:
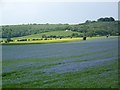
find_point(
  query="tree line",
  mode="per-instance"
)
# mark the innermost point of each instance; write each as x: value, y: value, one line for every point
x: 103, y: 26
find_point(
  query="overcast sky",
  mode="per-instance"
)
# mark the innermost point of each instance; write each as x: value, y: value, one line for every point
x: 55, y: 12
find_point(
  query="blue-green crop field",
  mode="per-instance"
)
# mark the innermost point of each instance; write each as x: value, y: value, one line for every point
x: 82, y: 64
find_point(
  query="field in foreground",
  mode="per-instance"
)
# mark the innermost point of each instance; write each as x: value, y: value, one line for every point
x: 84, y: 64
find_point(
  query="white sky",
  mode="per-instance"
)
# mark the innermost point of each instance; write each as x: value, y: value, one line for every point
x: 55, y: 11
x: 59, y: 1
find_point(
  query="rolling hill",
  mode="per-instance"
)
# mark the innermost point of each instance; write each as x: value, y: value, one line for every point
x: 90, y: 28
x: 57, y: 33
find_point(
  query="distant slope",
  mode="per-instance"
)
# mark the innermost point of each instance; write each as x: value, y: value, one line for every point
x: 57, y: 33
x: 29, y: 29
x: 98, y: 28
x: 90, y: 28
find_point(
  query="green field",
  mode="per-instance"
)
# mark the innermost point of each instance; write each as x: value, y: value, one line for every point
x: 84, y: 64
x: 49, y: 40
x: 57, y: 33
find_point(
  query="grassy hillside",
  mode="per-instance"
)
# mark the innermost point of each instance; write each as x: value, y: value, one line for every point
x: 91, y: 29
x: 57, y: 33
x: 29, y: 29
x: 104, y: 28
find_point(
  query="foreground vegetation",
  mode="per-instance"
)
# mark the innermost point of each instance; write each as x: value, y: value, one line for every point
x: 85, y: 64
